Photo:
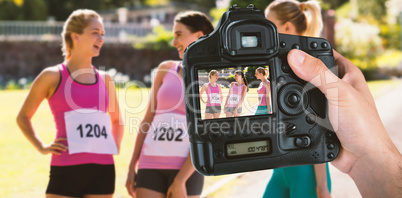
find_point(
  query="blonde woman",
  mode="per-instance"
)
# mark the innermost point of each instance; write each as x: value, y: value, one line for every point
x: 83, y: 102
x: 303, y: 19
x: 214, y: 95
x: 264, y: 91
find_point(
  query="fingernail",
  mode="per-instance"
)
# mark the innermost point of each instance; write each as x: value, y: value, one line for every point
x: 298, y: 57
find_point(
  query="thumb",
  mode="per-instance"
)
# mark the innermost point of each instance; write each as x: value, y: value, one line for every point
x: 312, y: 69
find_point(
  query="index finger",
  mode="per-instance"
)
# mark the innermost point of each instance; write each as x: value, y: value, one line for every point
x: 60, y: 139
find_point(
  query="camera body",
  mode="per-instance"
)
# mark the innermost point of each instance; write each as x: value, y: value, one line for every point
x: 297, y: 131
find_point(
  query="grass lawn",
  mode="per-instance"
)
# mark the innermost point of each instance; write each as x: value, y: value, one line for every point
x: 25, y: 172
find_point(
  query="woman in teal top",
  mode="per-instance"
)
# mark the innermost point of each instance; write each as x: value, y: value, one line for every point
x: 309, y: 180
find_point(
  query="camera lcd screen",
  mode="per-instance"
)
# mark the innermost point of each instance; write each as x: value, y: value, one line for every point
x: 234, y: 91
x: 247, y: 148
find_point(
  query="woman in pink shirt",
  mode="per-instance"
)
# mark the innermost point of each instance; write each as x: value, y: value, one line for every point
x: 264, y: 91
x: 214, y: 95
x: 236, y: 95
x: 161, y: 164
x: 85, y: 109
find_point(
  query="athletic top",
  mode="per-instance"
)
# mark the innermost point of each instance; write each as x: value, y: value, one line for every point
x: 235, y: 95
x: 213, y: 95
x: 170, y: 96
x: 166, y: 145
x: 70, y: 96
x: 261, y: 94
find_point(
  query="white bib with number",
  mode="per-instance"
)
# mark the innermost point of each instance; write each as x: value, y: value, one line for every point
x: 167, y: 136
x: 89, y: 131
x: 214, y: 98
x: 234, y: 99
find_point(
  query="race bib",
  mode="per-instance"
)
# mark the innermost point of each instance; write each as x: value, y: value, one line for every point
x: 234, y: 99
x: 214, y: 98
x: 89, y: 131
x: 167, y: 136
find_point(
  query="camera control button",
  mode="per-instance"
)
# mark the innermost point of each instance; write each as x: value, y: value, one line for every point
x: 329, y: 135
x: 293, y: 99
x: 218, y: 154
x: 313, y: 45
x: 281, y: 79
x: 285, y: 68
x: 324, y: 45
x: 310, y: 118
x: 295, y: 46
x: 330, y: 155
x: 283, y: 44
x: 200, y: 50
x: 290, y: 129
x: 330, y: 146
x: 303, y: 141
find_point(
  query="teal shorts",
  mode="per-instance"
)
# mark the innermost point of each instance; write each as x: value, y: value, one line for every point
x: 261, y: 110
x: 294, y: 182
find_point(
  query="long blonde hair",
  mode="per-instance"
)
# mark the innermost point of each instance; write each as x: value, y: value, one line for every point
x: 305, y: 16
x: 76, y: 23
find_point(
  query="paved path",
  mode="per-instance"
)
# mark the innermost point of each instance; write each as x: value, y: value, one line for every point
x: 389, y: 105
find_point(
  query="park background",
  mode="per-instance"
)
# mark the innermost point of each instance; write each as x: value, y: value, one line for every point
x: 138, y: 35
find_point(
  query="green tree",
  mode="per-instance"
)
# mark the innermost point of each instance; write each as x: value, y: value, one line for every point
x: 10, y: 11
x: 34, y: 10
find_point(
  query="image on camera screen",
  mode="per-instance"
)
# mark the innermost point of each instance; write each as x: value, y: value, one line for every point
x: 235, y: 91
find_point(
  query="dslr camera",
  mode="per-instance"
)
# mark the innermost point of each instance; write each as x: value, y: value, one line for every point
x: 283, y: 120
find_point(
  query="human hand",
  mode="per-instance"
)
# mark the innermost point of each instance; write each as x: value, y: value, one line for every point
x: 235, y: 113
x: 177, y: 189
x: 352, y: 111
x: 130, y: 183
x: 55, y: 147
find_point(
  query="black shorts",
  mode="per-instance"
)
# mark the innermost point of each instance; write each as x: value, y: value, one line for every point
x: 83, y: 179
x: 160, y: 180
x: 231, y: 109
x: 213, y: 109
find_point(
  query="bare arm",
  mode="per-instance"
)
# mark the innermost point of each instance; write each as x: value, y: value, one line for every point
x: 178, y: 187
x: 243, y: 95
x: 203, y: 89
x: 220, y: 92
x: 114, y: 111
x: 43, y: 87
x: 145, y: 124
x: 321, y: 178
x: 230, y: 91
x: 268, y: 96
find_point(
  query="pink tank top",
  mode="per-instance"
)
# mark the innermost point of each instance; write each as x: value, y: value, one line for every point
x: 170, y: 102
x: 170, y: 96
x: 89, y: 96
x: 261, y: 94
x: 235, y: 96
x: 213, y: 95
